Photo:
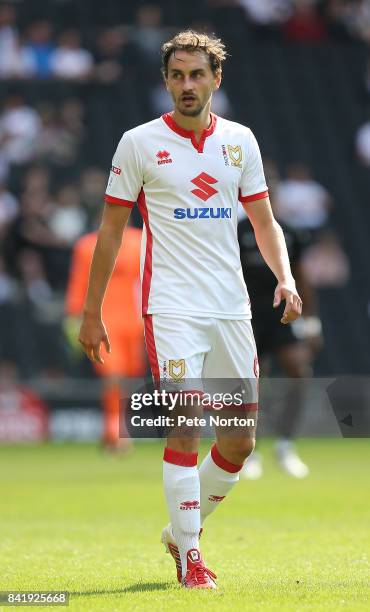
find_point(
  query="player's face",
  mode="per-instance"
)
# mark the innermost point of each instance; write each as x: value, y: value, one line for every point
x: 191, y: 82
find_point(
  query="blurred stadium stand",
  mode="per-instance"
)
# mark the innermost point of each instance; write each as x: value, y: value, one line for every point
x: 304, y: 101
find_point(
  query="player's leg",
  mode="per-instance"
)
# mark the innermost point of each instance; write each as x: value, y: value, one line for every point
x: 253, y: 467
x: 176, y: 349
x: 233, y: 357
x: 134, y: 355
x: 295, y: 361
x: 111, y: 370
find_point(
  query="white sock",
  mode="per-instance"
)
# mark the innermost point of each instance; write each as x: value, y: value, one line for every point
x: 182, y: 489
x: 217, y: 477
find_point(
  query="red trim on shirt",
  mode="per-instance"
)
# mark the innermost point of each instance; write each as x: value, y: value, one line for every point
x: 199, y: 146
x: 253, y: 198
x: 147, y: 275
x: 151, y: 348
x: 112, y: 200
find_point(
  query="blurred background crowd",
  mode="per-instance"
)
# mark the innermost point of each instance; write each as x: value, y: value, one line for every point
x: 74, y: 75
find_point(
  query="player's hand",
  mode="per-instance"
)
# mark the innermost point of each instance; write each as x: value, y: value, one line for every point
x: 71, y: 325
x: 293, y: 304
x: 92, y: 335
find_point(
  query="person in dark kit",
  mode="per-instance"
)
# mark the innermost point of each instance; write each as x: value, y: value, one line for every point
x: 291, y: 348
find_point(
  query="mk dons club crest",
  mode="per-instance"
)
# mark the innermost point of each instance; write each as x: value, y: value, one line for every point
x: 235, y: 155
x: 176, y: 369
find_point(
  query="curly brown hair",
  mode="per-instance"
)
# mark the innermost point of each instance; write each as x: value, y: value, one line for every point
x: 192, y: 41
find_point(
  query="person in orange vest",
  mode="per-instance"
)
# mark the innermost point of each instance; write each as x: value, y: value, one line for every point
x: 122, y: 309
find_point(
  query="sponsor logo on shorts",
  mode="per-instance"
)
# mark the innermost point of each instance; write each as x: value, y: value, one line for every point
x: 116, y: 170
x: 190, y: 505
x: 176, y: 369
x: 202, y: 213
x: 216, y: 498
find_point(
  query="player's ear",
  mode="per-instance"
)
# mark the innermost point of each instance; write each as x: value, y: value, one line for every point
x: 218, y: 79
x: 165, y: 79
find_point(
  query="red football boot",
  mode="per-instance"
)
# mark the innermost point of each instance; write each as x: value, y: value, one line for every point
x: 198, y: 576
x: 170, y: 545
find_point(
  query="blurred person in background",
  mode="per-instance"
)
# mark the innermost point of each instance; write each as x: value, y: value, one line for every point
x: 8, y: 288
x: 57, y: 145
x: 301, y: 202
x: 93, y: 182
x: 72, y: 113
x: 108, y: 55
x: 292, y: 346
x: 149, y: 32
x: 9, y: 209
x: 30, y: 318
x: 11, y: 61
x: 38, y: 50
x: 20, y: 127
x: 68, y: 219
x: 121, y: 310
x: 325, y: 264
x: 358, y: 19
x: 306, y: 24
x: 32, y: 230
x: 267, y: 12
x: 362, y: 144
x: 9, y: 292
x: 336, y: 15
x: 70, y: 60
x: 36, y: 179
x: 38, y: 316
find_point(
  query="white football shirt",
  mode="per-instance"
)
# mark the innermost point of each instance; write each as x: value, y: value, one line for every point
x: 188, y: 195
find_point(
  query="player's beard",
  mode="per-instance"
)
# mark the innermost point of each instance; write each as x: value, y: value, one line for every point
x: 192, y: 112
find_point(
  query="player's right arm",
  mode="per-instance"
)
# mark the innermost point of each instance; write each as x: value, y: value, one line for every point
x: 124, y: 184
x: 93, y: 332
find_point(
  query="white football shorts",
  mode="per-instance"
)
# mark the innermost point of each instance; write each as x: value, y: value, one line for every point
x: 189, y: 350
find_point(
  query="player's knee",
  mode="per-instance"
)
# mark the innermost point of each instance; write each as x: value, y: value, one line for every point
x: 244, y: 448
x: 296, y: 361
x: 300, y: 369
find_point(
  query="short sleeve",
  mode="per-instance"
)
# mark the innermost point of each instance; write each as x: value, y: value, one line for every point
x: 126, y: 176
x: 253, y: 183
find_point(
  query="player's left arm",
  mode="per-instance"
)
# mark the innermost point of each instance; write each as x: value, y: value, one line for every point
x: 271, y: 243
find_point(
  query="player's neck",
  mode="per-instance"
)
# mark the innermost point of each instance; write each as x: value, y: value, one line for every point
x: 194, y: 124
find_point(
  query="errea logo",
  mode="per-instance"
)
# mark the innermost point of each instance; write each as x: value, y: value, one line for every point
x: 190, y: 505
x: 164, y: 157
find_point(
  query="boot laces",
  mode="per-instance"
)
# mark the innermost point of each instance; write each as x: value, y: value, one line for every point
x: 199, y: 574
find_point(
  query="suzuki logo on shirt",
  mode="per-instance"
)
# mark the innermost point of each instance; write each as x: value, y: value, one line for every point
x: 202, y: 213
x: 204, y: 181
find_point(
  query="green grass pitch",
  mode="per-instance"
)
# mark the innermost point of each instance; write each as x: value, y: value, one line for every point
x: 75, y: 519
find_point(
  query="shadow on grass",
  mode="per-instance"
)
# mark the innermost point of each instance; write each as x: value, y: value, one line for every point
x: 133, y: 588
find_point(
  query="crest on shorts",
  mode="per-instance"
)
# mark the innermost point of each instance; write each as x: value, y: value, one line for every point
x: 235, y: 155
x: 176, y: 369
